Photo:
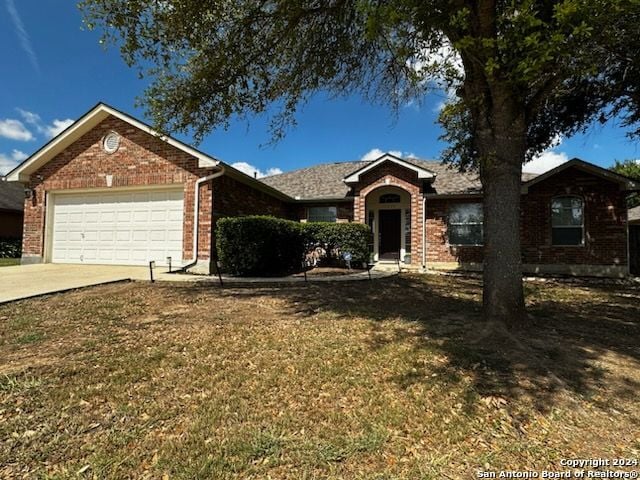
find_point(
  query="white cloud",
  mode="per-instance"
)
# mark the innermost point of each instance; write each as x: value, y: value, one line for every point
x: 376, y: 153
x: 57, y: 126
x: 8, y: 162
x: 51, y: 130
x: 545, y: 161
x: 23, y: 36
x: 252, y: 170
x: 30, y: 117
x: 14, y: 130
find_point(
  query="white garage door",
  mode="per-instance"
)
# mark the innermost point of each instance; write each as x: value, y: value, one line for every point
x: 118, y: 228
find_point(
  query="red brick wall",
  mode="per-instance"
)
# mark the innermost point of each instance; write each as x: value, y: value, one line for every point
x: 142, y: 159
x: 396, y: 176
x: 10, y: 224
x: 604, y: 215
x: 232, y: 198
x: 605, y: 224
x: 438, y: 248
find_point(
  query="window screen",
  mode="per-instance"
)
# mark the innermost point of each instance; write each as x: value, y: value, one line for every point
x: 567, y: 221
x: 322, y: 214
x: 465, y: 224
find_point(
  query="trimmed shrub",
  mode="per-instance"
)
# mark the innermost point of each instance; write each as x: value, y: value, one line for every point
x: 336, y: 238
x: 259, y: 245
x: 10, y: 247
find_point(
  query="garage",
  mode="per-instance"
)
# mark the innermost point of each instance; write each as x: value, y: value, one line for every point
x: 117, y: 227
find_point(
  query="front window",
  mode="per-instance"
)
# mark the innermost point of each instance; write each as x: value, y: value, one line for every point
x: 322, y: 214
x: 567, y: 221
x: 465, y: 224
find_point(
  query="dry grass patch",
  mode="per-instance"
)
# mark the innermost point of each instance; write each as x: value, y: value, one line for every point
x: 386, y: 379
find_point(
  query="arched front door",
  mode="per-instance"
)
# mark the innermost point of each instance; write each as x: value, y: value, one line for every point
x: 389, y: 216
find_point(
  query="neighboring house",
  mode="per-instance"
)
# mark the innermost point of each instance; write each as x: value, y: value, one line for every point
x: 11, y: 206
x: 110, y: 190
x: 634, y: 240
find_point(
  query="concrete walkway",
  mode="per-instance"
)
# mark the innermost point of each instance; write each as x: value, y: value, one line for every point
x: 26, y: 281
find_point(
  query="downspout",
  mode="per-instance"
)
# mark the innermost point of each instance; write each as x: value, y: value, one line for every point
x: 424, y: 236
x: 196, y: 211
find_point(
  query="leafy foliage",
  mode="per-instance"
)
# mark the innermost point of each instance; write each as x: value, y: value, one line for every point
x: 259, y: 245
x: 561, y: 63
x: 10, y: 247
x: 631, y: 169
x: 337, y: 238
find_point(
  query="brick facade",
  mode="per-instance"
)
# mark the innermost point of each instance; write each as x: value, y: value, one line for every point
x: 144, y: 160
x: 438, y: 248
x: 604, y: 211
x: 232, y: 198
x: 389, y: 174
x: 605, y: 217
x: 141, y: 160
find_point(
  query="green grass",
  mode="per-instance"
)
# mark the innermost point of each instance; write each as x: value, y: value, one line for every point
x: 386, y: 379
x: 7, y: 262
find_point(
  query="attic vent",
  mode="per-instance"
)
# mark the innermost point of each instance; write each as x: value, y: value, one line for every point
x: 111, y: 142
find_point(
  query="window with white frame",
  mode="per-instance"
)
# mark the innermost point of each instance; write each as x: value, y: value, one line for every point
x: 567, y: 221
x: 465, y: 224
x: 322, y: 214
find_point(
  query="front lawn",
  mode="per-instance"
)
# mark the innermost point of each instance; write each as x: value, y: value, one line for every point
x: 7, y: 262
x: 386, y: 379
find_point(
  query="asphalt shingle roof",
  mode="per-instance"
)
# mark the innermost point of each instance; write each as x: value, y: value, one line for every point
x: 11, y: 196
x: 325, y: 180
x: 634, y: 214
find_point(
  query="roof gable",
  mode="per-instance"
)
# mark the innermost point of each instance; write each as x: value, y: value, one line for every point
x: 84, y: 124
x: 625, y: 183
x: 387, y: 157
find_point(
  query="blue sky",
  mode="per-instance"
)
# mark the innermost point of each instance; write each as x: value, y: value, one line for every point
x: 53, y: 71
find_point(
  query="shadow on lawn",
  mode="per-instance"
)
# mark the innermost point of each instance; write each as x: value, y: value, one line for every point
x: 555, y: 354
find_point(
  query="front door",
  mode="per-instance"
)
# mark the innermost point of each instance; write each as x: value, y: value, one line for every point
x: 390, y: 234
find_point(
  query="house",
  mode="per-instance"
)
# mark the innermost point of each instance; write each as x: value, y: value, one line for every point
x: 110, y: 190
x: 11, y: 205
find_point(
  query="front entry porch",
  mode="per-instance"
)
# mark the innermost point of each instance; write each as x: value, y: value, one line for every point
x: 389, y: 216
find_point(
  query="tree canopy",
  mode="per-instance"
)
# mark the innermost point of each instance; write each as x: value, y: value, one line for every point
x: 568, y: 63
x: 520, y: 73
x: 629, y: 168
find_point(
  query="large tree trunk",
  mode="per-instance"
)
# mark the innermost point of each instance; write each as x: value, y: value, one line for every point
x: 502, y: 151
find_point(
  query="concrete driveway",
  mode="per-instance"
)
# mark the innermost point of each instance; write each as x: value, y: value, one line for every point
x: 24, y: 281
